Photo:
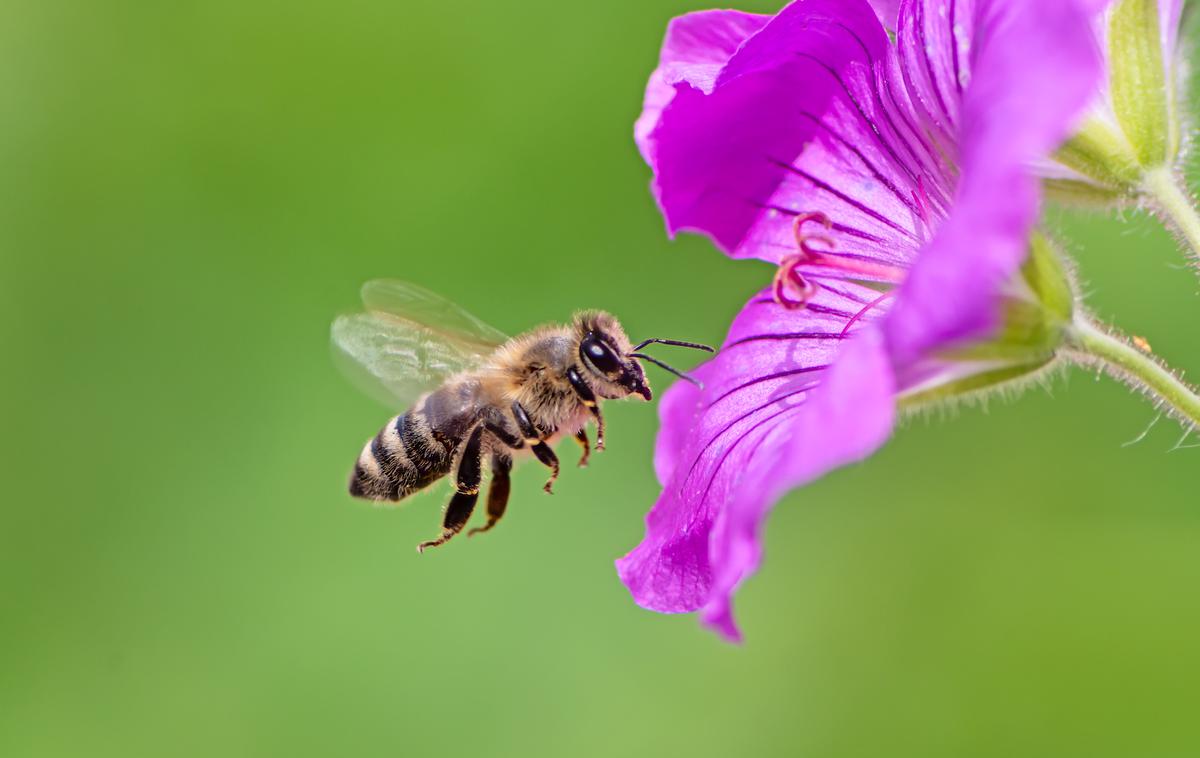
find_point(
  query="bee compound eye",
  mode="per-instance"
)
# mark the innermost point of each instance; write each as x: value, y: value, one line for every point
x: 601, y: 356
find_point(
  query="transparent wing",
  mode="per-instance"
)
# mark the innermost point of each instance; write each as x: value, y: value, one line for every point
x: 407, y: 341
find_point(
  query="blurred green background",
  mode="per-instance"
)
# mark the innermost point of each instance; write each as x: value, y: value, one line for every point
x: 190, y: 191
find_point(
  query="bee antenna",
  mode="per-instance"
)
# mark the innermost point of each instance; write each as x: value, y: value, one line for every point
x: 676, y: 343
x: 665, y: 367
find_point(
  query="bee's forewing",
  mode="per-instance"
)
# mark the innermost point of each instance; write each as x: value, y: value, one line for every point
x: 420, y: 306
x: 408, y: 341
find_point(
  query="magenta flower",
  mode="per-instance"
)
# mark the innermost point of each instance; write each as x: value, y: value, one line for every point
x: 890, y: 185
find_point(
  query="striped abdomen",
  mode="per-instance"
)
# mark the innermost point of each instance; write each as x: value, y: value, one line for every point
x: 403, y: 458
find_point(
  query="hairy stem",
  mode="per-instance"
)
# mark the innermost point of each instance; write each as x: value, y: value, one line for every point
x: 1171, y: 200
x: 1139, y: 370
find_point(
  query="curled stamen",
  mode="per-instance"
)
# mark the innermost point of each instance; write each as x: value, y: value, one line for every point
x: 806, y: 245
x: 787, y: 277
x: 855, y: 268
x: 812, y: 216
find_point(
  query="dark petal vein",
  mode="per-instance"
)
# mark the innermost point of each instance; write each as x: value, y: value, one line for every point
x: 928, y: 64
x: 746, y: 436
x: 906, y: 200
x: 954, y: 45
x: 887, y: 114
x: 857, y: 204
x: 838, y: 227
x: 767, y: 378
x: 786, y: 336
x: 857, y: 107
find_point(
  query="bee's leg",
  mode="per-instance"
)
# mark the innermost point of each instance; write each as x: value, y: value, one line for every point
x: 588, y: 398
x: 501, y: 432
x: 539, y: 448
x: 582, y: 438
x: 497, y: 492
x: 457, y: 514
x: 466, y: 484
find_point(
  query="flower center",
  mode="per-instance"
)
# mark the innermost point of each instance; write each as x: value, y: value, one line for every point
x: 793, y: 290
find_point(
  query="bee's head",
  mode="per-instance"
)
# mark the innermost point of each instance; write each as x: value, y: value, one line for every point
x: 606, y: 356
x: 612, y: 363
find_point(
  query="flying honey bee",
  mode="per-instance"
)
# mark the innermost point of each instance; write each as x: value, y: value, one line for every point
x: 475, y: 395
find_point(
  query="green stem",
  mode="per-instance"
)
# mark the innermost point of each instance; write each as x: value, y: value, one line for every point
x: 1171, y: 200
x: 1135, y: 368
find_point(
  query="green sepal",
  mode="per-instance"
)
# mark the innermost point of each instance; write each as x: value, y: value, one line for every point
x: 972, y: 384
x: 1045, y: 274
x: 1037, y: 315
x: 1077, y: 194
x: 1101, y: 153
x: 1032, y: 328
x: 1137, y: 80
x: 1025, y: 335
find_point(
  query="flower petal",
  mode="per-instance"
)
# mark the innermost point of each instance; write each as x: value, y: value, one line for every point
x: 676, y: 412
x: 696, y: 47
x: 1170, y: 13
x: 933, y: 41
x: 1035, y: 66
x: 763, y: 391
x: 888, y: 11
x: 849, y: 417
x: 824, y: 136
x: 788, y: 398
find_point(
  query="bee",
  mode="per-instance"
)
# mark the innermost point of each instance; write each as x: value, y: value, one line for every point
x: 474, y: 395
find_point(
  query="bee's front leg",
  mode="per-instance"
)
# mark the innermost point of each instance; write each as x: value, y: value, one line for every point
x: 588, y: 398
x: 582, y: 438
x: 539, y: 448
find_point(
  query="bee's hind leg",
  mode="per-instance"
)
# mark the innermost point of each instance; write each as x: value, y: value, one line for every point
x: 466, y: 482
x: 457, y: 514
x: 497, y: 493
